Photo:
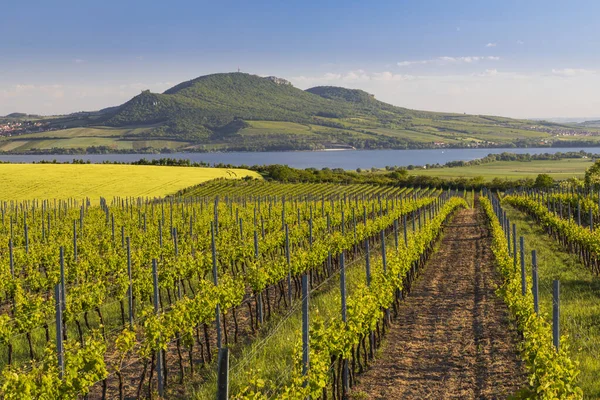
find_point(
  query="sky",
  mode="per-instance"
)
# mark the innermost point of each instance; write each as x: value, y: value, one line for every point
x: 516, y: 58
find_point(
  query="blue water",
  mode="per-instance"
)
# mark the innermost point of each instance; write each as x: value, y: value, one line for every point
x: 350, y: 159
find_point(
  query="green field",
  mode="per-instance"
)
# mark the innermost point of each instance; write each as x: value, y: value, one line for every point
x: 580, y: 297
x: 91, y: 131
x: 50, y: 181
x: 130, y: 138
x: 558, y: 169
x: 425, y: 132
x: 350, y: 131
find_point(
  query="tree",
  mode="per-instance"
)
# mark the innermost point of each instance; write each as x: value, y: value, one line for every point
x: 592, y: 175
x: 399, y: 174
x: 544, y: 181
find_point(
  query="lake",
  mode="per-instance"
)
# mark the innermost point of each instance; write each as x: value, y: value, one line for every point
x: 347, y: 159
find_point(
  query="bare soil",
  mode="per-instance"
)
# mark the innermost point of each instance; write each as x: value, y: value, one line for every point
x: 452, y: 338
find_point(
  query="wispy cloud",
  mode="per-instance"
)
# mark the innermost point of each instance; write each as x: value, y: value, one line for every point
x: 520, y: 42
x: 490, y: 45
x: 79, y: 61
x: 449, y: 60
x: 60, y: 98
x: 488, y: 72
x: 469, y: 59
x: 358, y: 75
x: 389, y: 76
x: 570, y: 72
x: 54, y: 91
x: 407, y: 63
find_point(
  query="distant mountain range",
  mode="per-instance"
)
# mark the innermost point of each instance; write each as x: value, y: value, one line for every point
x: 238, y: 111
x: 567, y: 120
x: 591, y: 123
x: 20, y: 115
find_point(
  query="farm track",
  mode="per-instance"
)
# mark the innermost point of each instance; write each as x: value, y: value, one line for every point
x: 452, y: 338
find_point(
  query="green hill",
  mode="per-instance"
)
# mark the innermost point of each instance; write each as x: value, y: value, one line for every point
x: 337, y: 93
x: 594, y: 123
x: 238, y: 111
x: 215, y: 100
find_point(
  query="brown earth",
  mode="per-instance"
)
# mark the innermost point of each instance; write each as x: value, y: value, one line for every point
x: 452, y: 338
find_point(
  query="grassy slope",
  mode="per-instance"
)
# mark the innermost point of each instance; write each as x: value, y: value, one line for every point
x: 48, y: 181
x: 424, y: 133
x: 561, y: 169
x: 84, y: 142
x: 580, y: 298
x: 90, y: 131
x: 126, y: 138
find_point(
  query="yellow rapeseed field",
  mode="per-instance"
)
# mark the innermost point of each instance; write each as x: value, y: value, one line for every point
x: 61, y: 181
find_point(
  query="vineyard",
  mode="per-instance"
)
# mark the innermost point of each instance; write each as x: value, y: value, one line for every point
x: 287, y: 290
x: 564, y: 223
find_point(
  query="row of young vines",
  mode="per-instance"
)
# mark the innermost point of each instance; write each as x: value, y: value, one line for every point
x: 341, y: 343
x: 570, y: 229
x: 552, y: 374
x: 226, y: 259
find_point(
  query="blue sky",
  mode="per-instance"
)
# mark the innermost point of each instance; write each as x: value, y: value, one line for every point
x: 526, y: 58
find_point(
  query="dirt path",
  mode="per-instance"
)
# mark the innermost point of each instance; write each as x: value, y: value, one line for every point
x: 452, y: 337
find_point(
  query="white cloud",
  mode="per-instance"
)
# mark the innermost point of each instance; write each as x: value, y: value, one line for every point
x: 358, y: 75
x: 15, y: 90
x: 351, y: 77
x: 389, y: 76
x: 332, y: 76
x: 490, y: 45
x: 467, y: 59
x: 407, y: 63
x: 449, y: 60
x: 458, y: 29
x: 570, y: 72
x: 23, y: 88
x: 489, y: 72
x: 520, y: 42
x: 79, y: 61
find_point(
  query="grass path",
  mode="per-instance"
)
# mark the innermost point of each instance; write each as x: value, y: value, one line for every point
x: 579, y: 297
x: 452, y: 338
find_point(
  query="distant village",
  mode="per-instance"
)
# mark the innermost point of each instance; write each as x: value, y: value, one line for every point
x: 12, y: 128
x: 562, y: 131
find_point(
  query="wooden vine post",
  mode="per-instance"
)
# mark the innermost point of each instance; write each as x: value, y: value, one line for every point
x: 345, y: 380
x: 216, y: 283
x: 305, y: 328
x: 159, y: 361
x: 556, y: 314
x: 534, y: 287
